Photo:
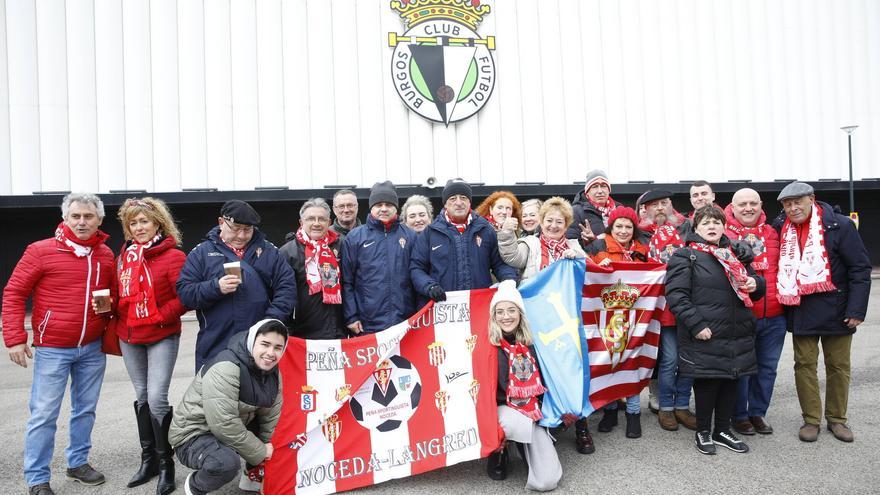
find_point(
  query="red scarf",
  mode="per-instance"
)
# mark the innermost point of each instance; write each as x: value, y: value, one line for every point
x: 136, y: 284
x: 733, y: 268
x: 604, y: 210
x: 524, y: 380
x: 664, y: 242
x: 319, y: 254
x: 389, y: 224
x: 495, y: 223
x: 551, y: 250
x: 66, y: 236
x: 460, y: 227
x: 804, y: 267
x: 237, y: 252
x: 753, y: 236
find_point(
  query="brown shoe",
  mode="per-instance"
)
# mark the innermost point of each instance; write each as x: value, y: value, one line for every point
x: 760, y: 425
x: 686, y: 418
x: 840, y: 431
x: 744, y: 427
x: 667, y: 420
x: 808, y: 433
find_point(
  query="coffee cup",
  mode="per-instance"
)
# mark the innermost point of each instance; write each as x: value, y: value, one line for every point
x: 233, y: 268
x: 102, y: 300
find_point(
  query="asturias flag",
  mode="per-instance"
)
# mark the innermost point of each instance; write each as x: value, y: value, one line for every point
x: 412, y: 398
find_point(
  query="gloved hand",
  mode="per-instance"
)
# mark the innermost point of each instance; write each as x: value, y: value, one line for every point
x: 436, y: 293
x: 255, y: 473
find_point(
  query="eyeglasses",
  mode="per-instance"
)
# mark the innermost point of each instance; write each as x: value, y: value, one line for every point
x: 316, y: 220
x: 506, y: 312
x: 239, y: 229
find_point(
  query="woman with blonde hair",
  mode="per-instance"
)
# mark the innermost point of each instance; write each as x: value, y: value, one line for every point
x: 519, y: 392
x: 147, y: 322
x: 498, y: 207
x: 417, y: 213
x: 531, y: 223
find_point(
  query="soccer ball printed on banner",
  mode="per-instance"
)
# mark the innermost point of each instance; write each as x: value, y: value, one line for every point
x: 389, y: 397
x: 441, y: 68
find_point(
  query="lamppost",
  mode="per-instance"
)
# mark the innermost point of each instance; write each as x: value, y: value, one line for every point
x: 849, y: 130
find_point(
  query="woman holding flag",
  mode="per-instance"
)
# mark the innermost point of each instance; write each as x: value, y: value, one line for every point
x: 710, y: 286
x: 621, y: 244
x: 518, y: 394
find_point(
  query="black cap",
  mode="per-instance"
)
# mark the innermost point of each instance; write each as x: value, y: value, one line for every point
x: 383, y: 192
x: 456, y: 186
x: 237, y: 211
x: 653, y: 195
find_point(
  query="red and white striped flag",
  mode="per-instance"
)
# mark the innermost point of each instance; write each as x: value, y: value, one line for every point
x: 621, y: 307
x: 412, y: 398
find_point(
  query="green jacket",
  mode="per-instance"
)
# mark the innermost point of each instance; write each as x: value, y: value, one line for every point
x: 233, y: 400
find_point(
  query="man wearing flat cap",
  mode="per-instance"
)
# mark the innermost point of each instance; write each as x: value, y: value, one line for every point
x: 230, y: 303
x: 824, y: 281
x: 377, y: 292
x: 458, y: 251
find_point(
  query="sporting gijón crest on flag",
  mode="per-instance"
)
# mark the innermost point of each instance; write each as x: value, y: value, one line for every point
x: 415, y: 397
x: 621, y: 307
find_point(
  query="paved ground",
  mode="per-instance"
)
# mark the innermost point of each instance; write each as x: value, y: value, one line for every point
x: 659, y: 462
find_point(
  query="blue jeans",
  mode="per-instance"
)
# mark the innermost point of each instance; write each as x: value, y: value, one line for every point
x: 633, y: 405
x: 149, y: 367
x: 754, y: 391
x: 52, y: 367
x: 674, y: 390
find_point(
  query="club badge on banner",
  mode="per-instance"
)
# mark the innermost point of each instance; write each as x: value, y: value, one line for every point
x: 412, y: 398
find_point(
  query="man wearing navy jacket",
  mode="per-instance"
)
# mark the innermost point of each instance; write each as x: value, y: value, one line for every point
x: 458, y: 251
x: 228, y: 304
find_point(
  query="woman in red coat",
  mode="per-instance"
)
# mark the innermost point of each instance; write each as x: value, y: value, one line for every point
x: 148, y: 325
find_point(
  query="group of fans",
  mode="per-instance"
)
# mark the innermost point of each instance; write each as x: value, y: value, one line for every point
x: 736, y: 282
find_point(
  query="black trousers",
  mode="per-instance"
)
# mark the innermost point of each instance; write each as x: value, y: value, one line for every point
x: 214, y: 463
x: 714, y: 395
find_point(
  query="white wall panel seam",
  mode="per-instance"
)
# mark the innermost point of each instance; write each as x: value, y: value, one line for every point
x: 283, y: 136
x: 180, y: 163
x: 67, y: 91
x: 39, y: 137
x: 8, y: 101
x: 257, y: 88
x: 97, y: 114
x: 152, y: 90
x: 231, y: 101
x: 207, y: 182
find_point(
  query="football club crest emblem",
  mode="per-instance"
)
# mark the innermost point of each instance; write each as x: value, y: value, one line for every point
x: 382, y: 375
x: 478, y: 240
x: 308, y: 398
x: 442, y: 69
x: 471, y: 343
x: 474, y: 390
x: 343, y: 392
x: 390, y: 406
x: 332, y: 428
x: 436, y: 353
x: 618, y: 319
x: 440, y: 400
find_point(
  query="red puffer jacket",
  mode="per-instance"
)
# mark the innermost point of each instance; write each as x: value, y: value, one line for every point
x: 163, y: 262
x: 768, y: 306
x: 61, y: 284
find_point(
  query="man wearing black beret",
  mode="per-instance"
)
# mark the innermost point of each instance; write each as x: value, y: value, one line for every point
x: 229, y: 300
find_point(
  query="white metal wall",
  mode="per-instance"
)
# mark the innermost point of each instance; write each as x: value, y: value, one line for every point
x: 233, y: 94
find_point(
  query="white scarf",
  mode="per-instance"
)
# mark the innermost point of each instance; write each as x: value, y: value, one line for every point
x: 803, y: 273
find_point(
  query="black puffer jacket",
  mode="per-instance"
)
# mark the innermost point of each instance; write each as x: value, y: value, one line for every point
x: 584, y: 210
x: 700, y: 296
x: 312, y: 319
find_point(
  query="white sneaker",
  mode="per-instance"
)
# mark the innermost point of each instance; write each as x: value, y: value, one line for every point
x: 186, y: 487
x: 245, y: 484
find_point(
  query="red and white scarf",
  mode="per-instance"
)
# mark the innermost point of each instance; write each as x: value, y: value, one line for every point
x: 318, y: 253
x: 81, y: 248
x: 752, y: 236
x: 460, y: 227
x: 524, y: 380
x: 807, y: 272
x: 495, y: 223
x: 733, y: 268
x: 605, y: 209
x: 551, y: 250
x: 665, y: 238
x: 136, y: 284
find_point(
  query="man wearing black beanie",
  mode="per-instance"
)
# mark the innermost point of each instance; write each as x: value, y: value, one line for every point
x: 459, y: 250
x: 376, y: 289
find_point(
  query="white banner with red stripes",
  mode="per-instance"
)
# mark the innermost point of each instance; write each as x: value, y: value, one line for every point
x: 621, y: 308
x: 412, y: 398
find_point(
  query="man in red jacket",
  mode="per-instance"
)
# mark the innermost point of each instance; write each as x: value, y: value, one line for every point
x: 61, y: 273
x: 747, y: 222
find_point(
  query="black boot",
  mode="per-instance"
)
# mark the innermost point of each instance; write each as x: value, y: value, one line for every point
x: 149, y: 462
x: 633, y: 425
x: 166, y: 483
x: 496, y: 467
x: 608, y: 421
x: 582, y: 439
